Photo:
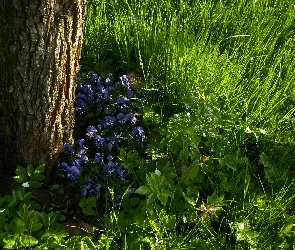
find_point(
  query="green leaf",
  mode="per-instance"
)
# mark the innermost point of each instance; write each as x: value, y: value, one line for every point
x: 88, y: 211
x: 163, y: 197
x: 40, y: 169
x: 286, y: 229
x: 152, y: 197
x: 190, y: 173
x: 91, y: 201
x: 231, y: 161
x: 83, y: 202
x: 34, y: 224
x: 20, y: 179
x: 143, y: 190
x: 20, y: 171
x: 27, y: 240
x: 38, y: 177
x: 265, y: 160
x: 30, y: 170
x: 34, y: 184
x: 19, y: 222
x: 134, y: 201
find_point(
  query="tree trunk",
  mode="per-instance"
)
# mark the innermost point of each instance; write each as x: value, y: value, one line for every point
x: 40, y: 44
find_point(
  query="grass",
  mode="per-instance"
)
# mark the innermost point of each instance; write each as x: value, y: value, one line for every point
x: 238, y: 55
x: 239, y: 51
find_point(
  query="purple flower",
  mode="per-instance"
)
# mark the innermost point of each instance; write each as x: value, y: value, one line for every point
x: 86, y: 89
x: 121, y: 172
x: 68, y: 148
x: 82, y: 97
x: 70, y: 172
x: 122, y: 120
x: 117, y: 198
x: 123, y: 103
x: 90, y: 188
x: 110, y: 168
x: 139, y: 134
x: 81, y: 142
x: 131, y: 94
x: 98, y: 142
x: 90, y: 132
x: 108, y: 122
x: 94, y: 79
x: 125, y: 80
x: 110, y: 158
x: 102, y: 93
x: 99, y: 158
x: 109, y: 81
x: 79, y: 106
x: 131, y: 118
x: 111, y: 143
x: 83, y: 159
x: 81, y: 151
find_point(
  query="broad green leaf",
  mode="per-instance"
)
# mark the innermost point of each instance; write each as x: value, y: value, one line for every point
x: 163, y: 197
x: 20, y: 178
x: 265, y: 160
x: 20, y: 171
x: 231, y: 161
x: 88, y: 211
x: 83, y: 202
x: 91, y: 201
x: 152, y: 197
x: 143, y: 190
x: 190, y: 173
x: 19, y: 222
x: 40, y: 169
x: 30, y: 170
x: 27, y: 240
x: 38, y: 177
x: 34, y: 184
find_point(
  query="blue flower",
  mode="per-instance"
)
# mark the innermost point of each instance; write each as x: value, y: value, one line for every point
x: 70, y: 172
x: 123, y: 103
x: 125, y: 81
x: 68, y: 148
x: 81, y: 151
x: 91, y: 132
x: 121, y: 119
x: 117, y: 198
x: 111, y: 143
x: 86, y: 89
x: 139, y: 134
x: 98, y: 142
x: 83, y: 160
x: 82, y: 97
x: 90, y: 188
x: 80, y: 142
x: 131, y: 118
x: 108, y: 122
x: 110, y: 168
x: 94, y: 79
x: 99, y: 158
x: 121, y: 172
x: 109, y: 81
x: 131, y: 93
x: 79, y: 106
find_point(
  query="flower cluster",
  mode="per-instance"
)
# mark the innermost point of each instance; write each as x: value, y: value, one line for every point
x: 106, y: 120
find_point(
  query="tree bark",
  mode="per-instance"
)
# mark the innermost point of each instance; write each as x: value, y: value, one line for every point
x: 40, y: 44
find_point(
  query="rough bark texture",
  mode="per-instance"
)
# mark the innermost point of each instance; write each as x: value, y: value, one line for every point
x: 40, y: 44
